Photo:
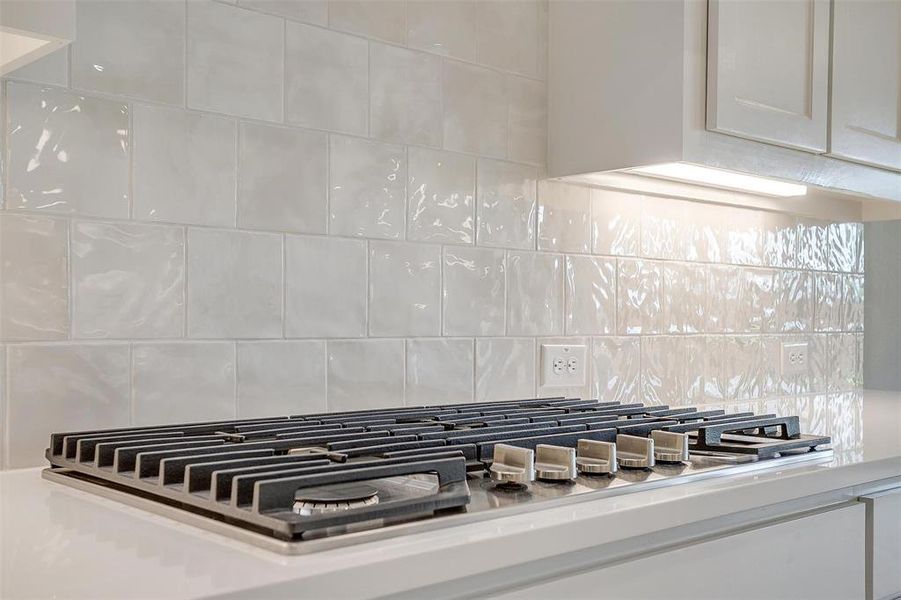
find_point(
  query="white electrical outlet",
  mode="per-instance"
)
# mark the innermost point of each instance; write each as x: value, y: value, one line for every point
x: 794, y: 358
x: 563, y: 365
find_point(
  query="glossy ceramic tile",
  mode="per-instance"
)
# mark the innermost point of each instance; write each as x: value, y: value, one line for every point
x: 733, y: 367
x: 380, y: 19
x: 684, y: 298
x: 743, y: 237
x: 829, y: 305
x: 563, y: 215
x: 62, y: 388
x: 57, y: 143
x: 184, y: 167
x: 326, y: 79
x: 128, y: 281
x: 308, y: 11
x: 852, y: 302
x: 505, y: 368
x: 780, y: 240
x: 474, y: 296
x: 795, y: 301
x: 534, y: 294
x: 725, y: 312
x: 615, y: 223
x: 439, y: 371
x: 640, y: 298
x: 148, y: 39
x: 234, y: 61
x: 820, y: 361
x: 280, y: 378
x: 235, y: 284
x: 441, y: 192
x: 506, y: 204
x: 404, y: 289
x: 813, y: 248
x: 181, y: 382
x: 759, y: 300
x: 590, y: 296
x: 404, y: 95
x: 847, y: 361
x: 672, y: 369
x: 365, y: 374
x: 526, y: 120
x: 325, y: 281
x: 443, y: 26
x: 34, y: 281
x: 366, y: 188
x: 52, y: 69
x: 845, y: 247
x: 508, y: 34
x: 475, y: 109
x: 277, y: 189
x: 615, y: 369
x: 668, y: 230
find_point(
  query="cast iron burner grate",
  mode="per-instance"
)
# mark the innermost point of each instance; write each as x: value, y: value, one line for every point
x: 309, y: 476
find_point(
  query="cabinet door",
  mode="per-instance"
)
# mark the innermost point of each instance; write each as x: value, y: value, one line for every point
x: 815, y: 556
x: 866, y: 82
x: 883, y: 544
x: 768, y: 71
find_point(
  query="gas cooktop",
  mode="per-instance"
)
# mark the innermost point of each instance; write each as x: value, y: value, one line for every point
x: 302, y: 483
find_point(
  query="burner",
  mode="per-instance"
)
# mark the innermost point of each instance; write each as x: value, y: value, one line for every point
x: 333, y: 498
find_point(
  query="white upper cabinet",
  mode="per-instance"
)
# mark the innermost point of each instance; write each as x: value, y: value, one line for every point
x: 768, y: 71
x: 866, y: 82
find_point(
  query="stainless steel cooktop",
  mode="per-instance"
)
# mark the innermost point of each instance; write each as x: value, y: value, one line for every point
x: 303, y: 483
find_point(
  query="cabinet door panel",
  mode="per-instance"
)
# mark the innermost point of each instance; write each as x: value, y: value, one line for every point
x: 767, y: 71
x: 816, y: 556
x: 866, y: 82
x: 883, y: 544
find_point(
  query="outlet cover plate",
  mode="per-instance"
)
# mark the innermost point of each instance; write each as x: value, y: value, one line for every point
x: 563, y: 365
x: 795, y: 358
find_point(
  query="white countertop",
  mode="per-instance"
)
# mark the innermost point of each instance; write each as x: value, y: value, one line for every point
x: 59, y: 542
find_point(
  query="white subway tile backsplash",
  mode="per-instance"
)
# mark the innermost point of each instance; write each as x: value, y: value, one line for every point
x: 404, y: 95
x: 743, y: 237
x: 326, y: 79
x: 615, y: 369
x: 780, y: 240
x: 526, y: 120
x: 563, y: 215
x: 440, y: 196
x: 308, y: 11
x: 282, y: 179
x: 62, y: 388
x: 726, y: 312
x: 590, y: 296
x: 534, y: 294
x: 475, y: 109
x: 365, y: 374
x: 280, y: 378
x: 474, y: 293
x: 234, y: 61
x: 685, y: 298
x: 180, y: 382
x: 34, y: 282
x: 148, y: 61
x: 367, y: 188
x: 672, y: 369
x: 505, y: 368
x: 439, y: 371
x: 325, y: 281
x: 507, y: 35
x: 235, y: 284
x: 443, y: 26
x: 380, y: 19
x: 847, y: 362
x: 128, y: 281
x: 404, y: 289
x: 506, y: 204
x: 846, y: 247
x: 58, y: 144
x: 733, y: 367
x: 813, y: 248
x: 794, y: 300
x: 640, y: 301
x: 184, y: 167
x: 828, y: 307
x: 615, y: 223
x: 852, y: 302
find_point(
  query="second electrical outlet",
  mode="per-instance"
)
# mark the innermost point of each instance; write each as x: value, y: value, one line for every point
x: 563, y: 365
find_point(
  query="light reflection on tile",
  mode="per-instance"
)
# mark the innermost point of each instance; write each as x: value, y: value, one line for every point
x: 615, y: 372
x: 639, y: 308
